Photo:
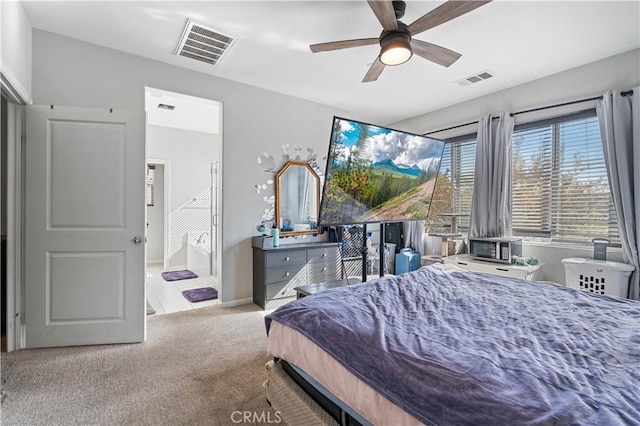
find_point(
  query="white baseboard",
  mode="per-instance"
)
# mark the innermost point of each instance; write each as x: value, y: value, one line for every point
x: 237, y: 302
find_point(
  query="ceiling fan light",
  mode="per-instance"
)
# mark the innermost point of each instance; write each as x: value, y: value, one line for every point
x: 396, y: 49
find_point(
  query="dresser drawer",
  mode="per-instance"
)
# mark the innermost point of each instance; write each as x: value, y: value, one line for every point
x: 327, y: 254
x: 286, y: 258
x: 282, y: 289
x: 277, y: 271
x: 323, y: 272
x: 286, y: 273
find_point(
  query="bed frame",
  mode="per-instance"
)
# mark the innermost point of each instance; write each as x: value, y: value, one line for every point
x: 341, y: 413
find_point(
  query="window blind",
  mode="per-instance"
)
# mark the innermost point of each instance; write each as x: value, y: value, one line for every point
x: 454, y: 186
x: 150, y: 183
x: 531, y: 182
x: 559, y: 186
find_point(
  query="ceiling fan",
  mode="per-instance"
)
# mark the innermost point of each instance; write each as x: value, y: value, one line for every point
x: 397, y: 44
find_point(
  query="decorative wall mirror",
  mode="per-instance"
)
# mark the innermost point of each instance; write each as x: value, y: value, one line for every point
x: 297, y: 188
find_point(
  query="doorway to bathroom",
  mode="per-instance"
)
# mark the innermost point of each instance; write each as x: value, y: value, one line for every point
x: 184, y: 149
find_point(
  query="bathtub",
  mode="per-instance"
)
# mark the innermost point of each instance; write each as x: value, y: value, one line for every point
x: 198, y: 255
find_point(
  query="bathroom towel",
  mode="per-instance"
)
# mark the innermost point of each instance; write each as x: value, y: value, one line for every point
x: 178, y: 275
x: 200, y: 294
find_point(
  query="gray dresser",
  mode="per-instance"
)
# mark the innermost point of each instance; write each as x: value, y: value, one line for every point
x: 277, y: 271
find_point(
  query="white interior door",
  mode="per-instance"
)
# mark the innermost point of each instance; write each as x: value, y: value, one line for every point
x: 85, y: 217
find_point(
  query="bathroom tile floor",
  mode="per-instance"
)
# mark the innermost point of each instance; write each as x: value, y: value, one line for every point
x: 166, y: 296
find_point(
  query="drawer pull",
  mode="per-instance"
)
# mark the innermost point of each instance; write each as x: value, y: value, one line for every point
x: 462, y: 263
x: 502, y: 269
x: 286, y: 259
x: 324, y: 269
x: 287, y: 274
x: 324, y: 254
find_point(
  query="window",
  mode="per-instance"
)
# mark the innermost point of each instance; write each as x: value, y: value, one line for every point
x: 454, y: 186
x: 559, y: 181
x: 560, y: 190
x: 149, y: 181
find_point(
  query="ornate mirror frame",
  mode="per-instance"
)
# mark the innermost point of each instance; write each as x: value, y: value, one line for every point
x: 279, y: 219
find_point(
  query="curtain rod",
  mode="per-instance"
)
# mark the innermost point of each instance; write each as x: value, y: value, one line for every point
x: 627, y: 93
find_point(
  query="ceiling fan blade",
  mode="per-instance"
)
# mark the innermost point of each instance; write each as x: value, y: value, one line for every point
x: 434, y: 53
x: 383, y: 9
x: 444, y: 13
x: 342, y: 44
x: 374, y: 71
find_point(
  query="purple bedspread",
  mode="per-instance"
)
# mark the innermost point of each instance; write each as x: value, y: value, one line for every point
x: 451, y: 347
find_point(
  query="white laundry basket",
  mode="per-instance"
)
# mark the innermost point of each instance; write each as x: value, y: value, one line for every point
x: 597, y: 276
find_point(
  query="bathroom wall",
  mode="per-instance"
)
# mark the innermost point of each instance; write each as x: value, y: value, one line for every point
x: 187, y: 184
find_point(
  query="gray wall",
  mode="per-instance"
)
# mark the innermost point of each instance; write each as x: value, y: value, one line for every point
x: 15, y: 38
x: 590, y: 80
x: 69, y: 72
x: 617, y: 72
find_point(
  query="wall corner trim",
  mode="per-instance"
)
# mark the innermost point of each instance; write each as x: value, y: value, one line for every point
x: 11, y: 87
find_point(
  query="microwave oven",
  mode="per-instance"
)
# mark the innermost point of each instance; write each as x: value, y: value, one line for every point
x: 497, y: 249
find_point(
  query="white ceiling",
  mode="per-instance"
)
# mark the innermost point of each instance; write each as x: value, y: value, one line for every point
x: 518, y: 41
x: 188, y: 113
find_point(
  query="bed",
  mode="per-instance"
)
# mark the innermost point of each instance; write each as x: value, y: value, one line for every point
x: 445, y: 346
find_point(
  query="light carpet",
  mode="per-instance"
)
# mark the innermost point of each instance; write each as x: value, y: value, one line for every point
x: 197, y: 367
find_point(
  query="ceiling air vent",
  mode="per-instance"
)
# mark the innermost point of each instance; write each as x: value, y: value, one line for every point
x: 483, y: 75
x: 203, y: 44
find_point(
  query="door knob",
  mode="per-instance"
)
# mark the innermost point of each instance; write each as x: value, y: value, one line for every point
x: 136, y: 240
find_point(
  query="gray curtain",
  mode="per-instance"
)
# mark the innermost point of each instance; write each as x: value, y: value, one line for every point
x: 491, y: 202
x: 620, y: 129
x: 413, y: 233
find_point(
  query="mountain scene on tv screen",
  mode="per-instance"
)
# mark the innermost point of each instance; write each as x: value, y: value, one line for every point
x: 378, y: 175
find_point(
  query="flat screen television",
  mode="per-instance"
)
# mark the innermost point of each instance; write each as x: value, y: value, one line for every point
x: 376, y: 174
